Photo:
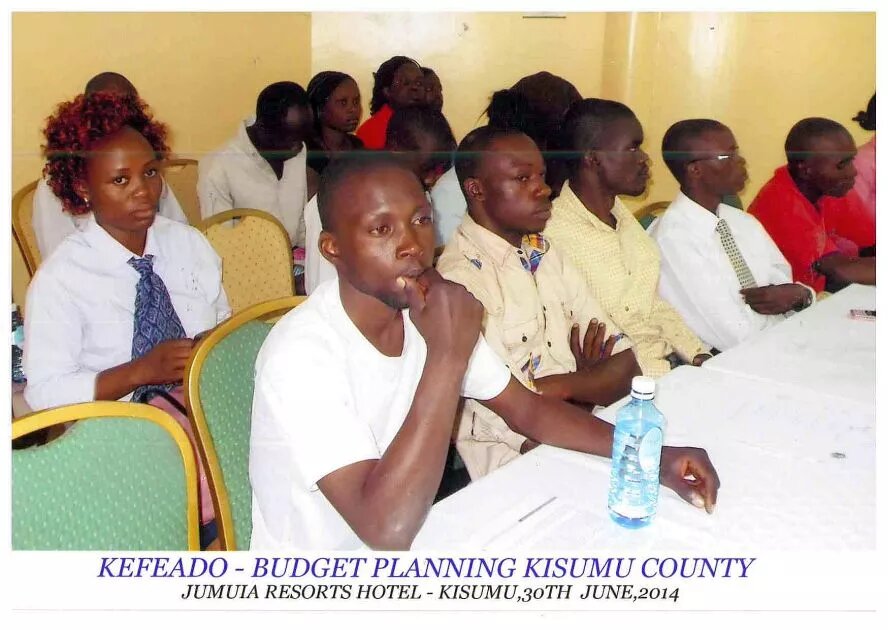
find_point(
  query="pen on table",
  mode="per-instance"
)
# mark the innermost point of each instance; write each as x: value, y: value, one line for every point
x: 506, y: 529
x: 537, y: 509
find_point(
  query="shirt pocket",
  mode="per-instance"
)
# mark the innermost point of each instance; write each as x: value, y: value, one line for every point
x: 521, y: 340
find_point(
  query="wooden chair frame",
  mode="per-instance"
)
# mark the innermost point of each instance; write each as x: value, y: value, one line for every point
x: 194, y: 218
x: 32, y: 258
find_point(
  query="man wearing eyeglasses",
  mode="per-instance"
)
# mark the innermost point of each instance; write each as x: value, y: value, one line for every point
x: 719, y: 268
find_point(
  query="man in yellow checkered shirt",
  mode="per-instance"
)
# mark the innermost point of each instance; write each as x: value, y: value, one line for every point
x: 601, y: 141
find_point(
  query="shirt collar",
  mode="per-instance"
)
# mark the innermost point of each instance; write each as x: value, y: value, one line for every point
x: 569, y: 203
x: 787, y: 183
x: 244, y: 144
x: 485, y: 244
x: 107, y: 247
x: 696, y: 216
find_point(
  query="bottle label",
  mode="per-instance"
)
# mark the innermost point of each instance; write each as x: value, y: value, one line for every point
x: 649, y: 450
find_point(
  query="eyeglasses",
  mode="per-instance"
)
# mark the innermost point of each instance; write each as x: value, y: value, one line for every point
x: 720, y: 157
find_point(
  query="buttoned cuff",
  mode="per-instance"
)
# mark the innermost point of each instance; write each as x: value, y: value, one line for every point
x: 513, y: 440
x: 690, y: 352
x: 653, y: 368
x: 70, y: 389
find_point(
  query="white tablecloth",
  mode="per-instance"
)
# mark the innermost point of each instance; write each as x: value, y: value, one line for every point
x: 819, y: 350
x: 797, y: 472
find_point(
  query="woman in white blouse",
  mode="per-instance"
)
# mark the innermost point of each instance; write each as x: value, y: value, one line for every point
x: 115, y: 308
x: 102, y: 159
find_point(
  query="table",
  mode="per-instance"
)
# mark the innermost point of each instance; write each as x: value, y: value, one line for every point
x: 797, y: 471
x: 818, y: 350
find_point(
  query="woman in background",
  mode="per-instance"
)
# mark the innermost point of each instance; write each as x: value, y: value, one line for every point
x: 865, y: 161
x: 397, y: 83
x: 434, y: 93
x: 336, y: 104
x: 535, y: 105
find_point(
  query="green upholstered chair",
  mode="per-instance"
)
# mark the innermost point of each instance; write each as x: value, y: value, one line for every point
x: 647, y: 214
x: 733, y: 200
x: 219, y: 397
x: 122, y: 476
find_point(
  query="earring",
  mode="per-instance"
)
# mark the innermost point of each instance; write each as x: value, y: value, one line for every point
x: 86, y: 201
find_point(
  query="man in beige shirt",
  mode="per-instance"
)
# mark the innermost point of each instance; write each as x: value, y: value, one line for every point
x: 536, y: 303
x: 618, y: 260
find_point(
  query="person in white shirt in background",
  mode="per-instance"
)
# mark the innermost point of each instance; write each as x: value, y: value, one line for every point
x: 422, y: 136
x: 697, y: 276
x: 357, y: 389
x: 50, y: 222
x: 264, y: 166
x: 449, y: 204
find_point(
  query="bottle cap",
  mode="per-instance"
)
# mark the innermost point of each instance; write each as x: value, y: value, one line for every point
x: 643, y: 387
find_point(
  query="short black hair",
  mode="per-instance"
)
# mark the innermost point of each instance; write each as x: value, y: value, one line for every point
x: 407, y: 124
x: 340, y: 170
x: 105, y: 80
x: 867, y: 119
x: 799, y: 140
x: 477, y: 142
x: 676, y: 147
x: 427, y: 71
x: 535, y: 105
x: 274, y: 101
x: 583, y: 128
x: 383, y: 78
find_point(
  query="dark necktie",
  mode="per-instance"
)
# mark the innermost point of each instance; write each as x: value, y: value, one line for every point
x: 155, y: 319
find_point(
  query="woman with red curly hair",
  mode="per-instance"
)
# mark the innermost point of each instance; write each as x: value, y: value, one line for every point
x: 112, y: 313
x: 51, y: 223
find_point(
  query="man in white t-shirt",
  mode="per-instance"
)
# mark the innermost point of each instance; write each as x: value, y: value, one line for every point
x: 423, y: 137
x: 355, y: 402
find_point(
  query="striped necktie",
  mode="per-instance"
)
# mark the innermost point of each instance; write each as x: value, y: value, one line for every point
x: 155, y: 320
x: 744, y: 275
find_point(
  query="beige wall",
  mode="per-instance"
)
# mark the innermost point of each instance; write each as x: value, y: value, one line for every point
x: 201, y: 73
x: 758, y: 73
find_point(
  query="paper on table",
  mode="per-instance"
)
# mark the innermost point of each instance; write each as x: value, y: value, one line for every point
x: 528, y: 512
x: 556, y: 526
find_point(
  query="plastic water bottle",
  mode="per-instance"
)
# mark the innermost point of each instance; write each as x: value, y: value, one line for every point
x: 18, y: 345
x: 635, y: 463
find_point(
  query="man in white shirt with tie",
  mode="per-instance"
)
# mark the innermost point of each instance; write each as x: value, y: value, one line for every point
x: 719, y: 268
x: 264, y: 166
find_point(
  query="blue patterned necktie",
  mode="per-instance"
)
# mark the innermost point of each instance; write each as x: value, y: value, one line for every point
x: 155, y: 319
